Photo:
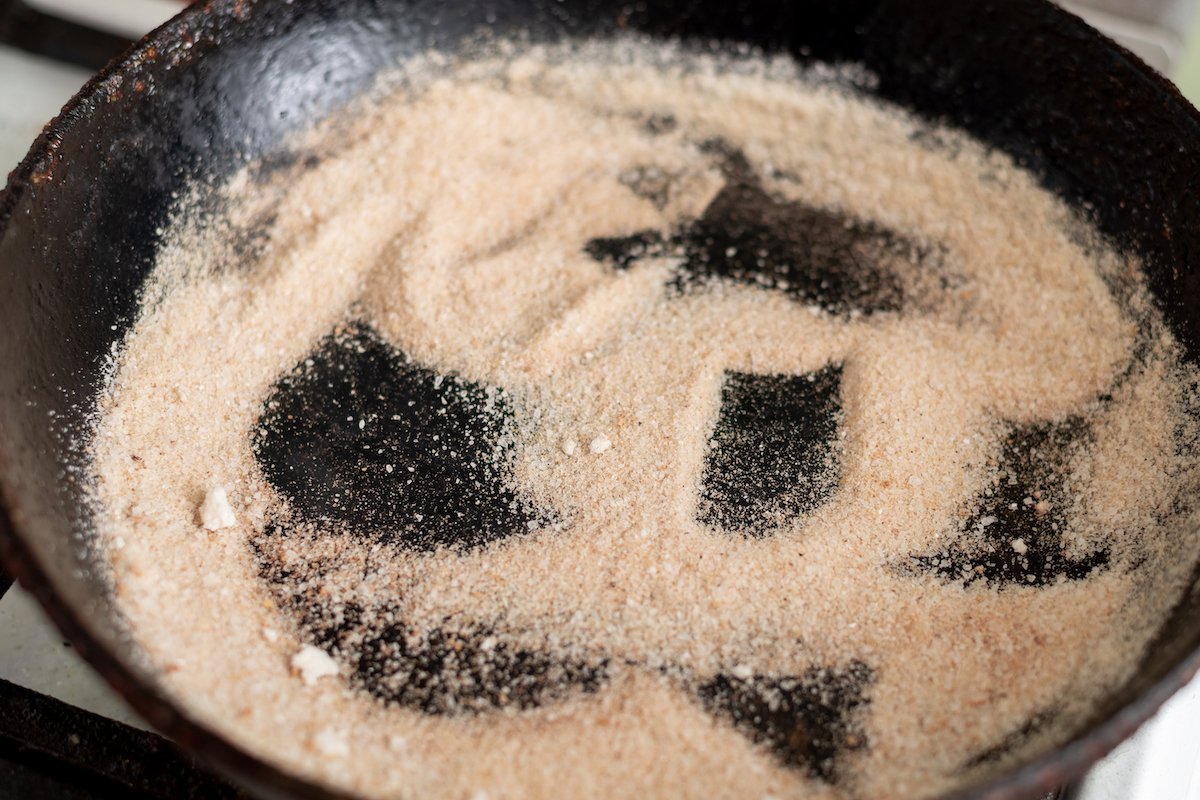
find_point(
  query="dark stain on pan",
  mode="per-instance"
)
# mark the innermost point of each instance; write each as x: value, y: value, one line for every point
x: 774, y: 454
x: 810, y: 721
x: 1013, y: 532
x: 356, y: 435
x: 749, y: 237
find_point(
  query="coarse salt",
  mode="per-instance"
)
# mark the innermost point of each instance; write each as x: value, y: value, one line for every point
x: 312, y: 663
x: 215, y: 512
x: 331, y: 743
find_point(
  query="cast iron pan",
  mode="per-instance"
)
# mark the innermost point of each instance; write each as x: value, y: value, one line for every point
x: 226, y: 81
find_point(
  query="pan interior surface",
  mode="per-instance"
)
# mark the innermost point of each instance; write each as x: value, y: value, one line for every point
x: 309, y: 62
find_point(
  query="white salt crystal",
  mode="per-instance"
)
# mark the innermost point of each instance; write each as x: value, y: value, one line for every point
x: 312, y: 664
x: 569, y: 447
x: 600, y: 444
x: 331, y: 743
x: 742, y: 672
x: 270, y: 634
x: 1019, y: 546
x: 215, y: 511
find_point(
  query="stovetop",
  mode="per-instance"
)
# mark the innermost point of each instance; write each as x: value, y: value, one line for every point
x: 64, y: 735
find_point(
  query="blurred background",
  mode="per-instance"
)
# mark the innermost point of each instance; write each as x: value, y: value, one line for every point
x: 63, y: 734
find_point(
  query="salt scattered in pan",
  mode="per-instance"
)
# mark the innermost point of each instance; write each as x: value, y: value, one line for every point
x: 384, y: 220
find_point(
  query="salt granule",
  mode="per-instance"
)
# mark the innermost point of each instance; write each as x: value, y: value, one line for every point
x: 312, y: 663
x: 331, y: 743
x: 215, y: 511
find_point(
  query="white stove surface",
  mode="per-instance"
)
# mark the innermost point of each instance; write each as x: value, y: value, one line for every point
x: 1162, y: 762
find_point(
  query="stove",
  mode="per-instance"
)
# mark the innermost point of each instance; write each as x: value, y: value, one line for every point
x: 64, y: 735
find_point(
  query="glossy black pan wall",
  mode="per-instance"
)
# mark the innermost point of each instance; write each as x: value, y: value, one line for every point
x: 227, y: 81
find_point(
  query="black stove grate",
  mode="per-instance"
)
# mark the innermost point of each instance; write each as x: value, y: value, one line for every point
x: 51, y: 750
